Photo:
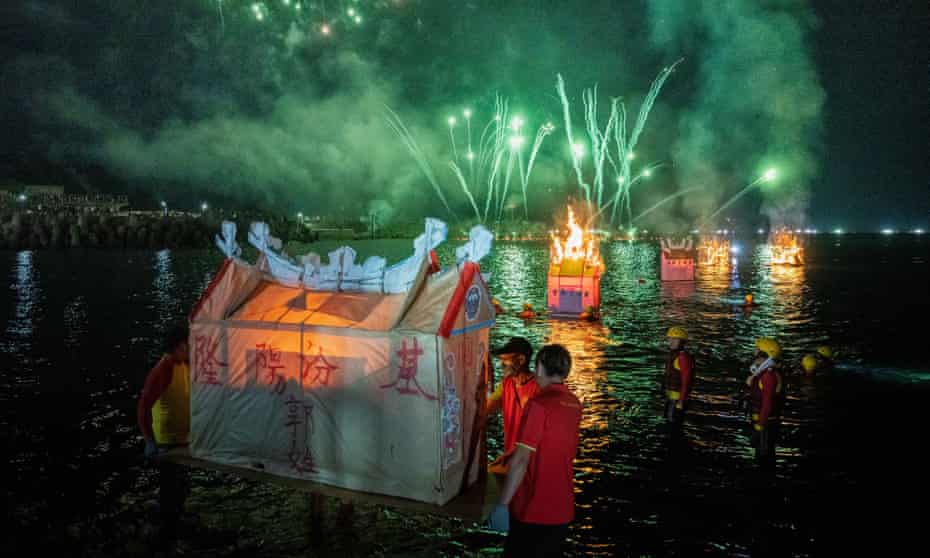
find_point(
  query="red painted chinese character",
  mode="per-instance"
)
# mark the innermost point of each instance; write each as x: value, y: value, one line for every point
x: 268, y: 360
x: 319, y: 367
x: 300, y: 421
x: 207, y: 361
x: 408, y: 370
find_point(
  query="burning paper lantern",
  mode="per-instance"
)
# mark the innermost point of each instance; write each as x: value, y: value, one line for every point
x: 786, y: 248
x: 575, y: 268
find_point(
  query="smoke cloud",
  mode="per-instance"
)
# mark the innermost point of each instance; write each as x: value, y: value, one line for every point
x: 183, y: 105
x: 756, y: 102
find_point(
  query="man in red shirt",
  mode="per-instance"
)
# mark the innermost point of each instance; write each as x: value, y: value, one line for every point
x: 512, y: 394
x: 537, y: 501
x: 679, y: 376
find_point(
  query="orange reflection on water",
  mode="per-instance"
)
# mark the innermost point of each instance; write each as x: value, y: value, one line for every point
x: 586, y: 341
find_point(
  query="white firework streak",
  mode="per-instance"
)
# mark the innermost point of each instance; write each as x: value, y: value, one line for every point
x: 599, y: 140
x: 627, y: 145
x: 576, y: 160
x: 464, y: 183
x: 664, y: 201
x: 419, y: 157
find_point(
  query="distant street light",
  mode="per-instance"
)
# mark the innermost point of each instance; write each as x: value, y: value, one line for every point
x: 204, y: 206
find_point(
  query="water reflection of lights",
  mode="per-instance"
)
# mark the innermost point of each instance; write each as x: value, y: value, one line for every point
x: 513, y: 280
x: 163, y: 285
x: 28, y: 297
x: 587, y: 341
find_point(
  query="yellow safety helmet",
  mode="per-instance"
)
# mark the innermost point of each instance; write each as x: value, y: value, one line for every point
x: 677, y: 333
x: 527, y: 306
x: 809, y: 363
x: 769, y: 347
x: 825, y: 351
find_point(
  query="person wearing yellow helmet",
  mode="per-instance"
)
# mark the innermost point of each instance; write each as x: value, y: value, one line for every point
x: 679, y: 375
x: 766, y: 398
x: 825, y: 357
x: 528, y: 313
x: 810, y: 363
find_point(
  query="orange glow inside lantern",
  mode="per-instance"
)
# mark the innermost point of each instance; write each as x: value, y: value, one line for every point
x: 713, y: 251
x: 575, y: 268
x: 786, y: 248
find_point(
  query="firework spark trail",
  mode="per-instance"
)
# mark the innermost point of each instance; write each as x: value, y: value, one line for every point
x: 664, y: 201
x: 410, y: 143
x: 599, y: 139
x: 627, y: 144
x: 455, y: 153
x: 492, y: 179
x: 576, y: 159
x: 736, y: 198
x: 219, y: 7
x: 622, y: 157
x: 506, y: 186
x: 643, y: 115
x: 461, y: 178
x: 541, y: 134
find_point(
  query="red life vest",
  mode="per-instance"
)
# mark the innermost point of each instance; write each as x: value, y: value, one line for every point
x: 673, y: 374
x: 756, y: 395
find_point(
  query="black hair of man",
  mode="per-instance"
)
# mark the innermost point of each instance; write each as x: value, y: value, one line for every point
x: 555, y: 359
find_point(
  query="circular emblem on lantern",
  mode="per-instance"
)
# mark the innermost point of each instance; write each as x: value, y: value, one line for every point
x: 472, y: 300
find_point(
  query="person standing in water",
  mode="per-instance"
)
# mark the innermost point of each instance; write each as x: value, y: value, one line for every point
x: 163, y: 414
x: 679, y: 376
x: 766, y: 399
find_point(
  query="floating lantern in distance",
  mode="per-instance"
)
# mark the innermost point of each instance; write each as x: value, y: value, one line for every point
x: 786, y: 248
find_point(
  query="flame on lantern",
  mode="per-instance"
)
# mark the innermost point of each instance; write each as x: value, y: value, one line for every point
x: 714, y: 251
x: 786, y: 248
x: 580, y: 245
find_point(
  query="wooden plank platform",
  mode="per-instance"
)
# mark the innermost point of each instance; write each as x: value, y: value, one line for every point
x: 474, y: 504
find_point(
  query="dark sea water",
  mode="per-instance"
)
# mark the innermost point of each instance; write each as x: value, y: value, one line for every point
x: 80, y: 329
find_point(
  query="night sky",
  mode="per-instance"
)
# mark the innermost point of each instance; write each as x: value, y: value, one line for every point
x: 273, y: 105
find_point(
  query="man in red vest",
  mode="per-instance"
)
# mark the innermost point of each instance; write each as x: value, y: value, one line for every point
x: 537, y: 502
x: 679, y: 376
x: 512, y: 394
x: 766, y: 397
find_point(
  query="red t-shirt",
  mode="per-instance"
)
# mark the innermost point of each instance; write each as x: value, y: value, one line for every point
x: 550, y: 429
x: 514, y: 397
